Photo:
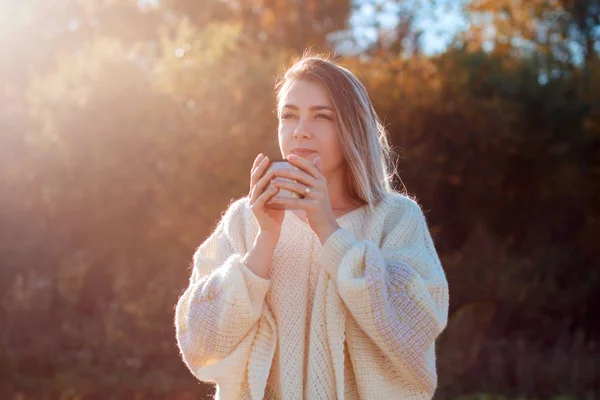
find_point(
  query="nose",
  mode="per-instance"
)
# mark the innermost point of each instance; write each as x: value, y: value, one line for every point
x: 301, y: 132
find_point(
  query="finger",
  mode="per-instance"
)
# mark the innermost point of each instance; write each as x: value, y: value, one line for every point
x: 257, y: 160
x: 266, y: 196
x: 260, y: 186
x: 299, y: 176
x: 296, y: 204
x: 306, y: 165
x: 259, y: 171
x: 294, y: 187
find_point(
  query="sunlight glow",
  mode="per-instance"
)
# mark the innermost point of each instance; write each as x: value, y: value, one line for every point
x: 13, y: 14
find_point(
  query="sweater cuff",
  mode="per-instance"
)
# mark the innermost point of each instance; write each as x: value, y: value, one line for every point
x: 257, y: 286
x: 334, y: 249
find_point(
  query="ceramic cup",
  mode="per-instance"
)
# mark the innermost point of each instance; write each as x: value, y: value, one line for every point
x: 283, y: 193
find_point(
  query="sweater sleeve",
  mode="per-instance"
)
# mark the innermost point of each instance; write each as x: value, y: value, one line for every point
x: 219, y: 314
x: 396, y: 292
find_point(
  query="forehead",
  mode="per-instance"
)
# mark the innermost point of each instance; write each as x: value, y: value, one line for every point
x: 304, y: 94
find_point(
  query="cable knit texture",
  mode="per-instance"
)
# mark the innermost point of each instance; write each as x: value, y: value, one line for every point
x: 354, y: 318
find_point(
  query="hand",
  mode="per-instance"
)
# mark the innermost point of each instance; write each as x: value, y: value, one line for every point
x: 269, y: 220
x: 316, y: 203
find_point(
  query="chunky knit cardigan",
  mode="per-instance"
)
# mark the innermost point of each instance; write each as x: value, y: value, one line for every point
x: 356, y: 317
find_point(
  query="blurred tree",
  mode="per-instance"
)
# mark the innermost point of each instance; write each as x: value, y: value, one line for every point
x: 128, y: 126
x: 393, y: 24
x: 580, y: 24
x: 562, y: 32
x: 36, y: 31
x: 129, y: 149
x: 281, y: 23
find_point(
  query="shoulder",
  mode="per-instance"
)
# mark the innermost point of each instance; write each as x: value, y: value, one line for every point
x: 237, y: 207
x: 401, y: 212
x: 236, y: 224
x: 236, y: 214
x: 396, y: 201
x: 401, y: 206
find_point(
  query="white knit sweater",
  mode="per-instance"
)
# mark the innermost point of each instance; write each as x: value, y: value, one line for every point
x: 356, y: 317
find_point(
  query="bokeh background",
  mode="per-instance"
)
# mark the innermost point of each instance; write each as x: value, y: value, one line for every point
x: 127, y: 127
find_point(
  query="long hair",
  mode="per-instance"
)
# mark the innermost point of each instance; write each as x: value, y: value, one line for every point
x: 367, y: 152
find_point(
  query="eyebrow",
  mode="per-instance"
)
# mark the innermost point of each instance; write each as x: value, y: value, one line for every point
x: 312, y: 108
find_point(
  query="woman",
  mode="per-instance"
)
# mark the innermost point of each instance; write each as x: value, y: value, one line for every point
x: 342, y: 295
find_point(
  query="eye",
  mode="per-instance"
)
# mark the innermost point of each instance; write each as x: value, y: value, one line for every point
x: 324, y: 116
x: 287, y: 116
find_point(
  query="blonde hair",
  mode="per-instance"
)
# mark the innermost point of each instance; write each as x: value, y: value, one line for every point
x: 368, y: 154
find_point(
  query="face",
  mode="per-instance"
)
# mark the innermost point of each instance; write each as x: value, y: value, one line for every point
x: 307, y: 120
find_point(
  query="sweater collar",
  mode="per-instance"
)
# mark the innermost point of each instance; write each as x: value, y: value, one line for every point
x: 296, y: 222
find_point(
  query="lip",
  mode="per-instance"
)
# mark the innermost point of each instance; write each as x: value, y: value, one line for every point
x: 303, y: 151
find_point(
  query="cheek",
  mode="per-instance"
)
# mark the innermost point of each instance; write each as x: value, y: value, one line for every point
x: 283, y: 133
x: 285, y: 128
x: 333, y: 145
x: 284, y: 137
x: 333, y: 158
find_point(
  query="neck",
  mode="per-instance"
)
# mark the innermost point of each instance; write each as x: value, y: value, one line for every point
x: 340, y: 197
